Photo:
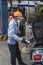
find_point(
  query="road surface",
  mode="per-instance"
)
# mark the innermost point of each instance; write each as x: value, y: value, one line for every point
x: 5, y: 55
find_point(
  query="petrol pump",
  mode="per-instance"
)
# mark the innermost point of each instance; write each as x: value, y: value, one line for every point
x: 3, y: 16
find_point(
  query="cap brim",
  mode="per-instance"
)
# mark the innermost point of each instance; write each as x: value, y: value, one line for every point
x: 21, y: 18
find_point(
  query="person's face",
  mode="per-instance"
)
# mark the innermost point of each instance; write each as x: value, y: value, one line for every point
x: 18, y: 20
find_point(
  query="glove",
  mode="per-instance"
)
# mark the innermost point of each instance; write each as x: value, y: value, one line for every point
x: 23, y: 41
x: 26, y: 41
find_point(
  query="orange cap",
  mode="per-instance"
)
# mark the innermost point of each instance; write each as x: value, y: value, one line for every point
x: 18, y: 14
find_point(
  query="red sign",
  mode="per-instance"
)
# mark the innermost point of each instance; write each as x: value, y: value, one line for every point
x: 0, y: 25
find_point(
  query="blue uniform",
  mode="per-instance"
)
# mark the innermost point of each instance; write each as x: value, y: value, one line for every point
x: 13, y: 30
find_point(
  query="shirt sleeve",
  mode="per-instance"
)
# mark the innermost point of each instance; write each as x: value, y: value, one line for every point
x: 17, y: 38
x: 12, y: 30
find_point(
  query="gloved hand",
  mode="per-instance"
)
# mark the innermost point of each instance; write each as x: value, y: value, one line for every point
x: 25, y: 41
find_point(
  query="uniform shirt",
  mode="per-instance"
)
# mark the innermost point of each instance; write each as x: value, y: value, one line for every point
x: 13, y: 30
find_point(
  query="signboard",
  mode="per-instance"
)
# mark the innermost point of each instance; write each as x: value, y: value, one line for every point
x: 4, y: 1
x: 3, y: 16
x: 0, y: 17
x: 0, y: 22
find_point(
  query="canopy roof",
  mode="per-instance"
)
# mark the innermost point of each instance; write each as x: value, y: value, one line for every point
x: 26, y: 3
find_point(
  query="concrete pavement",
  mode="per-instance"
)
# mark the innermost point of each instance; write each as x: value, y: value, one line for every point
x: 5, y: 55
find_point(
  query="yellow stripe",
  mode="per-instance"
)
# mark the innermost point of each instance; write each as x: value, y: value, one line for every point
x: 3, y: 37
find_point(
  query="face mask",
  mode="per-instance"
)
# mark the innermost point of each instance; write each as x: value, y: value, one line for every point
x: 18, y: 21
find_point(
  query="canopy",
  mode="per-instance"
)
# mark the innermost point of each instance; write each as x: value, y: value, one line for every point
x: 27, y: 3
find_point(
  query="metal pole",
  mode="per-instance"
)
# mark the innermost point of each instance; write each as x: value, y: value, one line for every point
x: 27, y: 22
x: 27, y: 19
x: 26, y: 49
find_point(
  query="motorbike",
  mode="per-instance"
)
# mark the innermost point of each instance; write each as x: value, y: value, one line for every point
x: 36, y: 52
x: 37, y: 56
x: 36, y: 49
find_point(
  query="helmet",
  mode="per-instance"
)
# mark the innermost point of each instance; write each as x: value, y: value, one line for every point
x: 18, y: 14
